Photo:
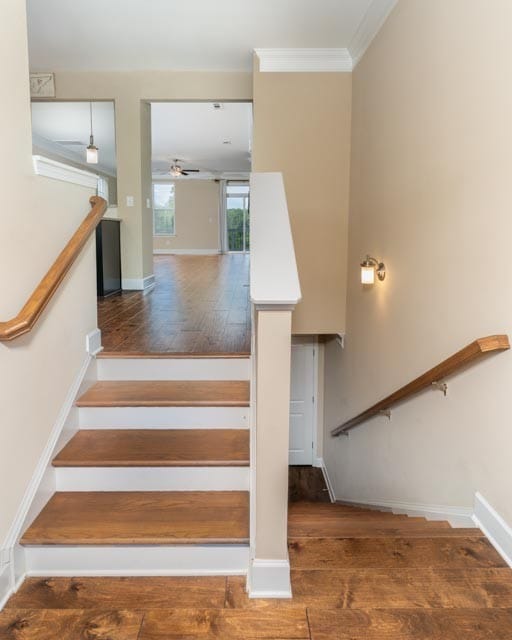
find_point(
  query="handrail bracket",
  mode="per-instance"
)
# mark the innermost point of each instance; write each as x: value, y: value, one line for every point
x: 440, y: 386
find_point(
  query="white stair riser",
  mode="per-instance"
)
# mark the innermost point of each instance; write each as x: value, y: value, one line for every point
x: 177, y: 560
x: 152, y: 478
x: 164, y: 417
x: 174, y: 369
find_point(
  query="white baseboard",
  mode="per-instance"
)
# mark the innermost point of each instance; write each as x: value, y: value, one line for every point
x: 6, y: 587
x: 498, y: 532
x: 41, y: 487
x: 269, y: 579
x: 128, y: 560
x: 152, y: 478
x: 456, y: 516
x: 138, y: 284
x: 186, y: 252
x: 320, y: 462
x: 93, y: 342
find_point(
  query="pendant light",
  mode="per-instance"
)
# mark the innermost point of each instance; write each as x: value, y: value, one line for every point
x: 92, y: 150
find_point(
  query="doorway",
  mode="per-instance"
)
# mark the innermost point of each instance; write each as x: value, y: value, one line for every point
x: 237, y: 217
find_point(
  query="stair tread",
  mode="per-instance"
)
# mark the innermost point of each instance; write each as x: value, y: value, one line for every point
x: 156, y: 448
x: 142, y: 517
x: 464, y: 552
x: 166, y: 393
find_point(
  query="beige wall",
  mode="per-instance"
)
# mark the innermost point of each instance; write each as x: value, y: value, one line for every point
x: 431, y: 196
x: 37, y: 369
x: 196, y: 217
x: 131, y: 92
x: 302, y: 128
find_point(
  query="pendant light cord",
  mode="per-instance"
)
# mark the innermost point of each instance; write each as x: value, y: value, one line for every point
x: 90, y: 110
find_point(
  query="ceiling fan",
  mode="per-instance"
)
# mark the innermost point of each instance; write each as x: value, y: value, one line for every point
x: 177, y: 171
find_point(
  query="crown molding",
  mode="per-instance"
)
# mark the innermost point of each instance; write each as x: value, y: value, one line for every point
x: 304, y: 60
x: 59, y: 171
x: 377, y: 14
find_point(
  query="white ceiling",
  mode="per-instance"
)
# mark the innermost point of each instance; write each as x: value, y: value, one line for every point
x: 195, y: 133
x: 181, y: 34
x: 53, y: 123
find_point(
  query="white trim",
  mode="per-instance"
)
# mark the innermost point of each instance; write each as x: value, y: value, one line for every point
x: 456, y: 516
x: 269, y: 579
x: 65, y: 172
x: 320, y: 462
x: 39, y: 490
x: 164, y: 417
x: 138, y: 284
x: 6, y: 589
x: 374, y: 19
x: 498, y: 532
x: 304, y: 60
x: 185, y: 252
x: 152, y: 478
x: 137, y: 560
x: 93, y: 342
x: 174, y: 368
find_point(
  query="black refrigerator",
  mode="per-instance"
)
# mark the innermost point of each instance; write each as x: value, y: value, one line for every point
x: 108, y: 257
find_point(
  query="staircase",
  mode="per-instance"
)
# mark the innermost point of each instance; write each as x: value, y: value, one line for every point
x: 156, y: 479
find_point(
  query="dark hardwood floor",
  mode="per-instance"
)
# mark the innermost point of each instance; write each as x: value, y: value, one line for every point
x: 356, y: 575
x: 200, y: 304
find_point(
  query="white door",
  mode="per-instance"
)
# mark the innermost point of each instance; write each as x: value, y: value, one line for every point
x: 302, y: 404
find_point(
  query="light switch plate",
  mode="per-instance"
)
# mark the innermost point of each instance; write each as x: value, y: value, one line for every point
x: 130, y: 201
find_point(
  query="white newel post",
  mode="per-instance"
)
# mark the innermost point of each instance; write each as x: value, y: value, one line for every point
x: 275, y: 290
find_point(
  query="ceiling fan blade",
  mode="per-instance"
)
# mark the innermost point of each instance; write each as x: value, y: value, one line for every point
x: 193, y: 170
x: 184, y: 173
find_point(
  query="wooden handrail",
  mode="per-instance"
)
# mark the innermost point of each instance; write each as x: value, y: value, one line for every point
x: 457, y: 361
x: 43, y: 293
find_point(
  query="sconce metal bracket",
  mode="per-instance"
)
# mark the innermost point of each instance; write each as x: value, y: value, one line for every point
x: 440, y: 386
x: 385, y: 412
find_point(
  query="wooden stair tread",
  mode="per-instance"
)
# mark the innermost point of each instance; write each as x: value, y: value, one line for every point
x: 165, y: 355
x: 167, y: 393
x: 395, y: 553
x: 156, y: 448
x: 142, y: 517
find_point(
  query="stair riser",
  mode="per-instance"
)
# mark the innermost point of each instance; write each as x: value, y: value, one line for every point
x: 179, y: 560
x: 152, y: 479
x: 174, y: 369
x: 164, y: 417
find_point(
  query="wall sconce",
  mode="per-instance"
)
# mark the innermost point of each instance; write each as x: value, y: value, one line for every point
x: 368, y: 268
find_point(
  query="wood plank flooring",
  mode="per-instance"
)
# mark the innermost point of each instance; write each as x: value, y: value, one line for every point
x: 200, y: 304
x: 402, y: 586
x: 156, y: 448
x: 166, y: 393
x: 142, y: 517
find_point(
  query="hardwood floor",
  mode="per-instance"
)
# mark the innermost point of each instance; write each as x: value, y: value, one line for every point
x: 200, y: 304
x: 421, y: 581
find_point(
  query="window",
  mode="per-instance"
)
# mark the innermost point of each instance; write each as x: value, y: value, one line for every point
x: 103, y: 187
x: 237, y: 216
x: 163, y: 209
